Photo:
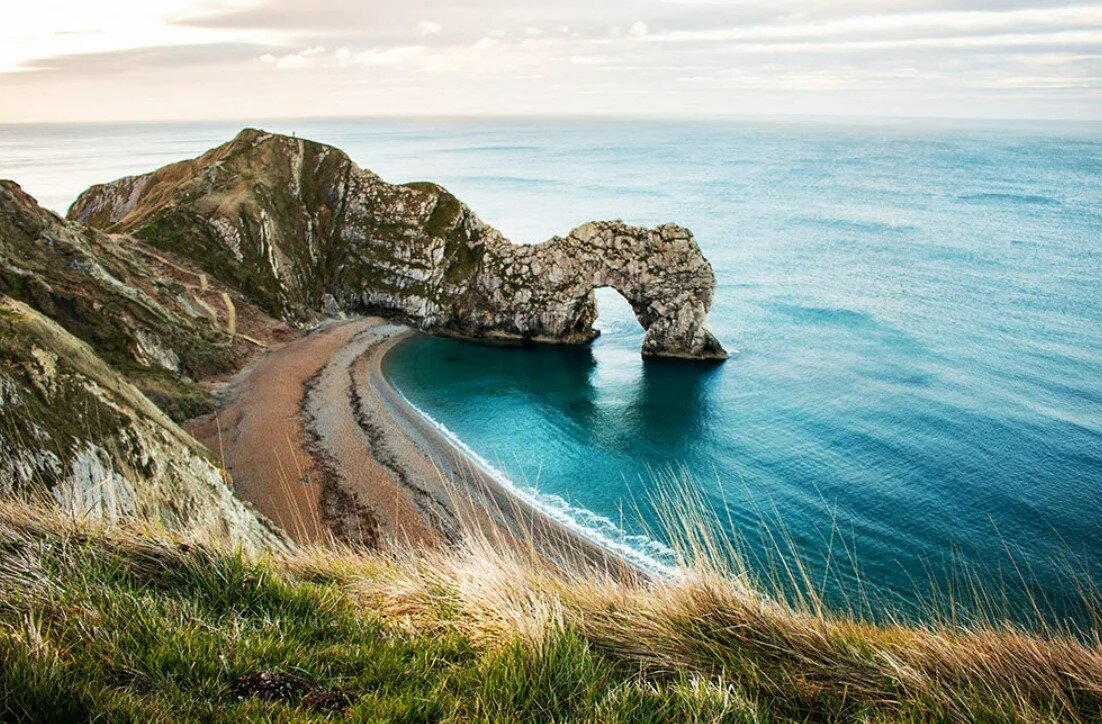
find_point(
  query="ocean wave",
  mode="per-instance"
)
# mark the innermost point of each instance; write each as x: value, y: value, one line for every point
x: 619, y: 328
x: 859, y: 226
x: 648, y: 554
x: 513, y: 181
x: 1000, y: 198
x: 825, y: 315
x: 491, y: 148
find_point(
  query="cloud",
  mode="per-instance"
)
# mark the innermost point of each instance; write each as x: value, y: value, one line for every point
x: 131, y: 60
x: 703, y: 56
x: 912, y: 25
x: 427, y: 27
x: 302, y: 59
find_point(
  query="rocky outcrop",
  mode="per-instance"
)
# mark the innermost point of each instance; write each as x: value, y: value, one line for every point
x: 159, y: 321
x: 300, y: 229
x: 75, y: 433
x: 93, y: 329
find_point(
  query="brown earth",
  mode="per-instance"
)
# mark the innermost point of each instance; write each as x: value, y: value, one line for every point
x: 317, y: 439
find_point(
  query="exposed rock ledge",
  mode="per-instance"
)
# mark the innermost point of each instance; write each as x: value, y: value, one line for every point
x: 301, y: 229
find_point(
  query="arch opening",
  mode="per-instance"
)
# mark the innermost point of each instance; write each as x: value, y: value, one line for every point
x: 615, y: 315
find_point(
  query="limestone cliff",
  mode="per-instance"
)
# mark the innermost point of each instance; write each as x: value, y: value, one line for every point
x: 299, y: 228
x: 159, y: 321
x: 75, y: 433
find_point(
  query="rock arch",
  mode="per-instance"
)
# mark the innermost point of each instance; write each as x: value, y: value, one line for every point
x: 546, y: 291
x: 304, y: 232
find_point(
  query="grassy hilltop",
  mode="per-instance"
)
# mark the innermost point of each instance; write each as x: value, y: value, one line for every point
x: 130, y: 624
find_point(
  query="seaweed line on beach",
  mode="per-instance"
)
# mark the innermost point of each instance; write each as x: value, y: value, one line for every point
x: 348, y: 518
x: 440, y: 515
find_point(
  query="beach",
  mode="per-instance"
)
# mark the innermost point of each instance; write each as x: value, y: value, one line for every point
x: 317, y: 440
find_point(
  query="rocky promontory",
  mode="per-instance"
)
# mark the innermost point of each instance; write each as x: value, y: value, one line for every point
x: 304, y: 232
x: 125, y: 319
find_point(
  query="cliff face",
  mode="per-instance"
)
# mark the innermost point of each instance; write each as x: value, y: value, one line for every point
x: 75, y: 433
x: 86, y: 319
x: 162, y: 323
x: 302, y: 230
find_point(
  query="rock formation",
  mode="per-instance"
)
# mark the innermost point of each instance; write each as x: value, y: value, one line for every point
x: 84, y: 317
x: 76, y: 434
x: 154, y: 318
x: 300, y: 229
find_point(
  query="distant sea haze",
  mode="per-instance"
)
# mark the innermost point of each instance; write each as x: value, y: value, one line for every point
x: 915, y: 393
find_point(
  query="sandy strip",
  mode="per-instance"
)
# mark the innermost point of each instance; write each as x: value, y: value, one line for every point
x: 317, y: 439
x: 364, y: 471
x: 288, y: 436
x: 259, y: 436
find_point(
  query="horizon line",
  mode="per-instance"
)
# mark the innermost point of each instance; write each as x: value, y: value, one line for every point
x: 714, y: 118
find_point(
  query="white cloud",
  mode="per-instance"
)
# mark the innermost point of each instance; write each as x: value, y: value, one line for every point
x: 302, y: 59
x: 428, y: 27
x: 910, y: 24
x: 393, y: 57
x: 960, y: 43
x: 783, y: 55
x: 51, y: 28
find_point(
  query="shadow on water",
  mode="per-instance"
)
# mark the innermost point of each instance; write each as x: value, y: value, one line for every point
x: 664, y: 402
x: 670, y: 403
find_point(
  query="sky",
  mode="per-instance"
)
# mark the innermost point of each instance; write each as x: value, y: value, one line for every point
x: 121, y: 60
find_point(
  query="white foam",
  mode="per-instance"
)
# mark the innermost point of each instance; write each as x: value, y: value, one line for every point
x: 648, y: 554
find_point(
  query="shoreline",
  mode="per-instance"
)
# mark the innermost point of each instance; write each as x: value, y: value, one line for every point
x: 524, y: 520
x: 318, y: 440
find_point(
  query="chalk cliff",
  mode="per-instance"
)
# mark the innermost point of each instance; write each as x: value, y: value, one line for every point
x: 86, y: 319
x: 78, y: 435
x: 301, y: 230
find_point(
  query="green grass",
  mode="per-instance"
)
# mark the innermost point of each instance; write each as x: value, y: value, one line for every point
x: 118, y: 625
x: 121, y: 628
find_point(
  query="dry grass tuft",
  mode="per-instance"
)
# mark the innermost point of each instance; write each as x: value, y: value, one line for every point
x: 588, y: 644
x: 716, y: 621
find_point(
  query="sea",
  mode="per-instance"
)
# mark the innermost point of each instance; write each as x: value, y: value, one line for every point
x: 910, y: 421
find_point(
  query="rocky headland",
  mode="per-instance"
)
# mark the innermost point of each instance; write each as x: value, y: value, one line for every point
x: 309, y: 233
x: 234, y: 293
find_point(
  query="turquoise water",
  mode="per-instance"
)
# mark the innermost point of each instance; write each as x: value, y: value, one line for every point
x: 913, y: 309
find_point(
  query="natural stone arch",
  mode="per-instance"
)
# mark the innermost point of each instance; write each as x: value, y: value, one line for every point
x: 306, y: 232
x: 546, y: 291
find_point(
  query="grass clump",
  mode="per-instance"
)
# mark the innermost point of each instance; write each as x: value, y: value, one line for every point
x: 105, y: 624
x: 121, y: 625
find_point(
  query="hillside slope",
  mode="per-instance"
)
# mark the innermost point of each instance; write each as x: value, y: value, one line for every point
x: 74, y: 432
x: 160, y: 321
x: 118, y: 626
